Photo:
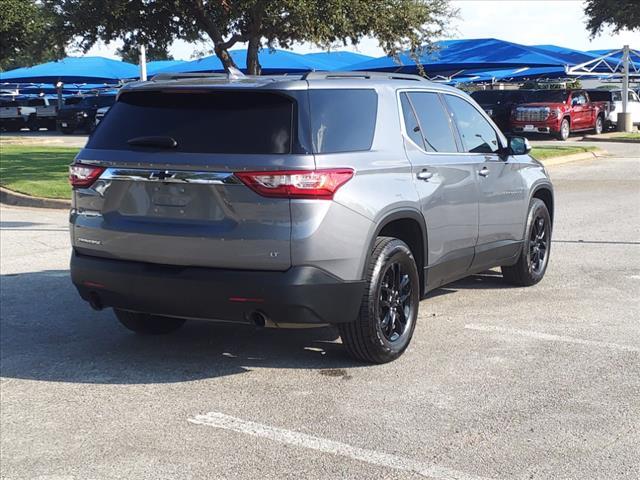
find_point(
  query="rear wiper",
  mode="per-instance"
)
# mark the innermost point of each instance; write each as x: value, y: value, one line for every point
x: 153, y: 141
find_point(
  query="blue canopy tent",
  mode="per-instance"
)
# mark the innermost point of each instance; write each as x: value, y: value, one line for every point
x: 272, y: 62
x: 158, y: 65
x: 506, y: 74
x: 337, y: 60
x: 455, y: 55
x: 48, y: 88
x: 570, y: 56
x: 73, y: 70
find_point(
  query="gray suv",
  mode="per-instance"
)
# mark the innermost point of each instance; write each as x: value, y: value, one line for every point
x: 326, y: 198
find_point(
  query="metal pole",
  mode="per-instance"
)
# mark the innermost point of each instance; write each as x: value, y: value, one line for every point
x: 625, y: 78
x: 143, y: 63
x: 59, y: 86
x: 625, y: 122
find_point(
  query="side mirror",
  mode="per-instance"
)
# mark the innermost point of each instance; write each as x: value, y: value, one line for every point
x: 519, y: 146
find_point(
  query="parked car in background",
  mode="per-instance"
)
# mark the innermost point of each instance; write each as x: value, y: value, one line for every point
x: 46, y: 112
x: 499, y: 103
x: 81, y: 115
x: 300, y: 200
x: 558, y: 113
x: 100, y: 113
x: 614, y: 98
x: 15, y: 115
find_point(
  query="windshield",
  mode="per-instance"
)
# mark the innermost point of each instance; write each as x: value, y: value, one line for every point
x: 497, y: 96
x: 97, y: 102
x: 552, y: 96
x: 72, y: 100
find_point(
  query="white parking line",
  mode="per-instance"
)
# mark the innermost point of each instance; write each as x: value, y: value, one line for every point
x: 290, y: 437
x: 550, y: 338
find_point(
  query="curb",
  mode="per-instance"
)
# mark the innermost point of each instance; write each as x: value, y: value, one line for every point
x: 9, y: 197
x: 574, y: 157
x: 598, y: 138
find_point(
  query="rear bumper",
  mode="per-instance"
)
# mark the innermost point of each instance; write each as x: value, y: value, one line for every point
x: 301, y: 295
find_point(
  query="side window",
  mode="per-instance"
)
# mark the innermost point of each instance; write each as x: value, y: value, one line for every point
x: 579, y: 99
x: 478, y: 136
x: 410, y: 122
x: 632, y: 97
x: 433, y: 121
x: 342, y: 120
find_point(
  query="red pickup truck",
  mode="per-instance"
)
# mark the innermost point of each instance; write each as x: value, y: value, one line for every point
x: 558, y: 112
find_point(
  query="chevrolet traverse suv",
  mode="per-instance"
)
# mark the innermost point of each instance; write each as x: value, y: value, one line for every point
x: 326, y: 198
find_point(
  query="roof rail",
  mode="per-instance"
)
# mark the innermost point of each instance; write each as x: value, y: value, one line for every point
x: 178, y: 76
x: 364, y: 75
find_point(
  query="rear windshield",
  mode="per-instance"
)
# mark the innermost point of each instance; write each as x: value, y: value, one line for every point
x: 211, y: 122
x: 342, y: 120
x: 604, y: 96
x: 97, y: 101
x: 554, y: 96
x: 72, y: 100
x: 497, y: 96
x: 35, y: 102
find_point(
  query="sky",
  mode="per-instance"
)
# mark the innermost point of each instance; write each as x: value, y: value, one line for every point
x: 530, y: 22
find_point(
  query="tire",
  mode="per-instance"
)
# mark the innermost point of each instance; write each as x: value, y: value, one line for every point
x: 392, y: 293
x: 32, y: 124
x: 599, y: 126
x: 534, y: 257
x: 144, y: 323
x: 565, y: 130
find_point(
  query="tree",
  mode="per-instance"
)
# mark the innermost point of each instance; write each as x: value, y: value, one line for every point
x: 29, y: 35
x: 131, y: 53
x: 397, y: 24
x: 619, y: 14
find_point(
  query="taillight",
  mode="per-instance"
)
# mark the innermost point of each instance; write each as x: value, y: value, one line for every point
x: 321, y: 184
x: 83, y: 176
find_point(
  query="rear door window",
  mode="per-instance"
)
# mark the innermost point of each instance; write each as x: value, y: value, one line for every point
x: 434, y: 122
x: 342, y: 120
x: 411, y: 125
x: 478, y: 136
x: 207, y: 122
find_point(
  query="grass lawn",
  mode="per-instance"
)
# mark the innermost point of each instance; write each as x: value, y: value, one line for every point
x: 542, y: 153
x: 37, y: 171
x: 629, y: 136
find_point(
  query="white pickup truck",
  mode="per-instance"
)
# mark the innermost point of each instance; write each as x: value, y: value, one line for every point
x: 614, y: 97
x: 46, y: 111
x: 14, y: 116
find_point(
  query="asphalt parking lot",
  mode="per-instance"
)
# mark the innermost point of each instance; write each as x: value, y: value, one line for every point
x: 499, y: 382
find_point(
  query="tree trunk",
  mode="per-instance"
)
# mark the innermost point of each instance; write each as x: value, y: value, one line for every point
x: 225, y: 58
x: 253, y: 63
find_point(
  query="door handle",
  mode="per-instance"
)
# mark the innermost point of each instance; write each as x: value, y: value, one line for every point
x: 484, y: 172
x: 424, y: 175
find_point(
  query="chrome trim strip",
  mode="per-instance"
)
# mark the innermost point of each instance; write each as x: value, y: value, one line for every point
x: 169, y: 176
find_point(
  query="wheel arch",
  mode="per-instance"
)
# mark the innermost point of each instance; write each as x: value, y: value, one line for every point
x: 409, y: 226
x: 544, y: 192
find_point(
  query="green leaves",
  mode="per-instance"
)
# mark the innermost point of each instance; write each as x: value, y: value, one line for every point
x: 619, y: 14
x: 29, y: 35
x: 397, y: 24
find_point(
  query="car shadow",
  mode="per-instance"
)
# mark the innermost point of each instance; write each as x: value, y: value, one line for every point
x: 489, y: 279
x: 47, y: 333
